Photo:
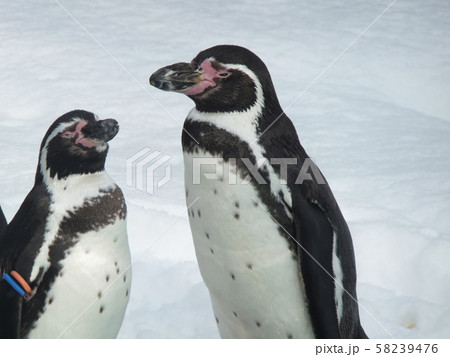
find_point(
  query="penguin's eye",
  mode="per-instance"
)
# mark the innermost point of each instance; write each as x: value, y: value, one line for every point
x: 224, y: 74
x: 67, y: 134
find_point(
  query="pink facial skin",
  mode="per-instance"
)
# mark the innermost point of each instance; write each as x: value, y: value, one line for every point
x: 80, y: 139
x: 208, y: 76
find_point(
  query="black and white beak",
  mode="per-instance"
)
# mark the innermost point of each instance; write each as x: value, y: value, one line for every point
x: 178, y: 77
x: 93, y: 133
x: 101, y: 130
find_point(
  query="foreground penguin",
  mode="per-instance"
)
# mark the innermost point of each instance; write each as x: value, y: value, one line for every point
x: 66, y: 249
x: 272, y: 245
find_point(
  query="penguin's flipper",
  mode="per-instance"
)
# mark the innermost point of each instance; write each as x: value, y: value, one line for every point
x: 314, y: 235
x: 19, y: 242
x: 10, y: 301
x: 24, y: 235
x: 10, y: 311
x: 3, y: 221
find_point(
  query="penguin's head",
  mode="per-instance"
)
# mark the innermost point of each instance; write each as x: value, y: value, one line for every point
x: 223, y: 78
x: 76, y: 143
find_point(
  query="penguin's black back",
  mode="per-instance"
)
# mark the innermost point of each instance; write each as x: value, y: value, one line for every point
x: 3, y: 222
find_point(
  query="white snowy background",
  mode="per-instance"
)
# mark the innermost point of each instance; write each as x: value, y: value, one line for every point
x: 377, y: 122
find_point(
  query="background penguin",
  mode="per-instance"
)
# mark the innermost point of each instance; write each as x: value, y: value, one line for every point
x: 68, y: 240
x: 3, y: 222
x: 276, y: 256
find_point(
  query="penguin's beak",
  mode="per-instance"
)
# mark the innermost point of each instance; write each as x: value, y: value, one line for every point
x: 100, y: 131
x: 178, y: 77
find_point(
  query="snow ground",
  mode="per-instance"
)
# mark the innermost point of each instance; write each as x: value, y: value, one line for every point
x: 377, y: 123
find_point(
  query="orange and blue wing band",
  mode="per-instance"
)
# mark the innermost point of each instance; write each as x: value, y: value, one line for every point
x: 21, y: 281
x: 18, y: 284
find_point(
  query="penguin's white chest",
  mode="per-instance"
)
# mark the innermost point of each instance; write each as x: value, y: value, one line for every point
x: 89, y: 297
x: 253, y: 278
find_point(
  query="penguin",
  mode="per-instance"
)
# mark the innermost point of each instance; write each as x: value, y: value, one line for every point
x: 3, y: 221
x: 64, y: 257
x: 272, y: 245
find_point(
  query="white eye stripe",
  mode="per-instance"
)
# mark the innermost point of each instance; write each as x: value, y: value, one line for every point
x: 60, y: 129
